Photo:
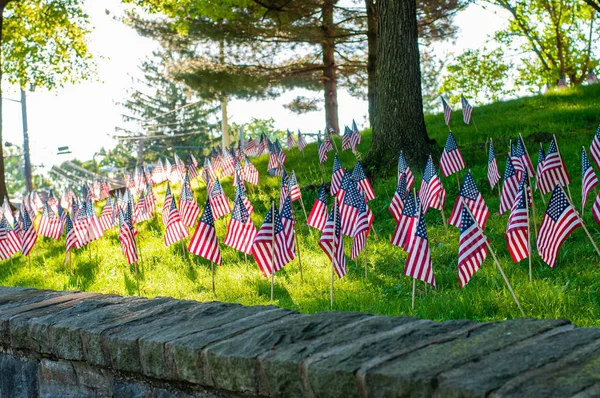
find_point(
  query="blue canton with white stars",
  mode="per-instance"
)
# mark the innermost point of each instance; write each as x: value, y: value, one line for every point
x: 510, y: 170
x: 469, y: 189
x: 466, y: 221
x: 429, y: 172
x: 558, y: 204
x: 401, y: 188
x: 359, y: 173
x: 286, y: 210
x: 450, y: 143
x: 207, y: 216
x: 491, y: 154
x: 352, y: 197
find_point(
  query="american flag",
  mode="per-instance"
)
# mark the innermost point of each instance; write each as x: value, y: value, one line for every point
x: 80, y: 224
x: 175, y: 230
x: 262, y: 145
x: 250, y: 174
x: 50, y: 225
x: 356, y: 138
x: 283, y: 189
x: 127, y: 238
x: 142, y: 211
x: 523, y: 156
x: 227, y: 164
x: 405, y: 227
x: 181, y: 167
x: 188, y: 207
x: 509, y: 188
x: 291, y: 141
x: 318, y: 213
x: 322, y: 151
x: 349, y: 207
x: 346, y: 139
x: 71, y: 237
x: 128, y: 216
x: 280, y: 154
x: 251, y: 147
x: 293, y: 187
x: 398, y: 199
x: 331, y: 130
x: 470, y: 195
x: 273, y: 165
x: 327, y: 143
x: 204, y: 242
x: 553, y: 170
x: 208, y: 168
x: 596, y: 209
x: 332, y: 243
x: 301, y: 141
x: 589, y: 179
x: 62, y: 216
x: 158, y: 173
x: 467, y: 109
x: 343, y: 185
x: 472, y: 249
x: 270, y: 243
x: 595, y: 147
x: 452, y: 160
x: 362, y: 227
x: 560, y: 220
x: 517, y: 230
x: 287, y: 220
x: 10, y: 241
x: 447, y: 111
x: 358, y: 174
x: 336, y: 176
x: 167, y: 205
x: 241, y: 193
x: 174, y: 172
x: 431, y: 192
x: 94, y: 228
x: 192, y: 167
x: 240, y: 230
x: 404, y: 169
x: 418, y: 263
x: 218, y: 200
x: 150, y: 197
x: 493, y: 173
x: 29, y: 236
x: 540, y: 164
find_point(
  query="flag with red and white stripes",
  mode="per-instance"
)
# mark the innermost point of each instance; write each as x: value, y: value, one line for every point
x: 470, y: 195
x: 517, y: 229
x: 336, y: 176
x: 523, y: 156
x: 28, y: 236
x: 167, y: 204
x: 467, y: 109
x: 332, y: 243
x: 404, y: 169
x: 293, y: 187
x: 349, y: 207
x: 10, y: 241
x: 362, y: 227
x: 219, y: 201
x: 241, y: 193
x: 269, y: 247
x: 540, y: 164
x: 175, y: 230
x: 560, y: 220
x: 493, y: 173
x: 291, y: 141
x: 318, y: 213
x: 595, y: 147
x: 359, y: 175
x: 398, y: 199
x: 50, y: 225
x: 588, y: 177
x: 287, y: 220
x: 346, y: 139
x: 322, y: 150
x: 71, y: 237
x: 509, y: 188
x: 472, y: 249
x: 452, y: 160
x: 240, y: 230
x: 432, y: 192
x: 356, y: 138
x: 204, y: 242
x: 405, y: 227
x: 418, y: 263
x: 106, y: 217
x: 94, y: 228
x: 301, y: 141
x: 447, y: 111
x: 553, y: 170
x: 127, y: 238
x: 188, y: 208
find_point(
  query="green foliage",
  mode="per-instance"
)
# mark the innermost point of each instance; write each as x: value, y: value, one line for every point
x: 13, y: 163
x: 301, y: 104
x: 478, y: 74
x: 570, y: 290
x: 256, y: 127
x: 44, y: 43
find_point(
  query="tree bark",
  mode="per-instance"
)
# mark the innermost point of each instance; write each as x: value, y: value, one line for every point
x: 372, y: 57
x: 399, y: 123
x: 329, y: 67
x: 3, y: 190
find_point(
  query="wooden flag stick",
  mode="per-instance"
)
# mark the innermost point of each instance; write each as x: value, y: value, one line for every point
x: 212, y: 268
x: 499, y: 193
x: 365, y: 258
x: 583, y: 225
x: 457, y: 181
x: 529, y: 240
x: 303, y: 208
x: 532, y: 208
x: 272, y: 250
x: 297, y: 245
x: 29, y: 257
x: 444, y: 220
x: 333, y: 253
x: 414, y: 289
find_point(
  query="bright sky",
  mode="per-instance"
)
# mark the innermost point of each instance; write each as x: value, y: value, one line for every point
x: 84, y: 116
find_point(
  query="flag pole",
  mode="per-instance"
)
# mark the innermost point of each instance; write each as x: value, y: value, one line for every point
x: 487, y: 243
x: 537, y: 179
x: 272, y: 249
x: 529, y: 237
x: 444, y: 220
x: 333, y: 252
x: 414, y: 289
x: 297, y: 245
x: 582, y: 224
x: 457, y: 181
x: 212, y: 268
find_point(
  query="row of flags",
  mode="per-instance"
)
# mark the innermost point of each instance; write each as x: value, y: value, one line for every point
x: 467, y: 109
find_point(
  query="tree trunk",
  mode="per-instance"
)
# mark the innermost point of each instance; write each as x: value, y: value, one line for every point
x: 3, y: 190
x: 371, y: 57
x: 329, y: 68
x: 399, y: 123
x: 26, y: 153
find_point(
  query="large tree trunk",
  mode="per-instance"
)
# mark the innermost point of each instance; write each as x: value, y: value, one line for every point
x: 372, y: 57
x: 399, y: 123
x: 329, y: 67
x: 3, y: 190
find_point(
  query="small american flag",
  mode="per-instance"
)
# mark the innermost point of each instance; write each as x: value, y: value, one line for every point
x: 250, y: 174
x: 227, y: 164
x: 418, y: 263
x: 106, y: 217
x: 209, y: 170
x: 204, y: 242
x: 398, y: 199
x: 192, y: 167
x: 404, y: 169
x: 343, y: 185
x: 301, y: 141
x: 318, y: 213
x: 293, y: 187
x: 431, y: 192
x: 336, y: 176
x: 241, y: 193
x: 287, y: 220
x: 322, y: 150
x: 472, y: 249
x: 11, y: 243
x: 470, y: 195
x: 29, y: 236
x: 158, y: 173
x: 71, y: 237
x: 540, y: 164
x: 50, y: 225
x: 80, y: 223
x: 553, y: 170
x: 332, y: 243
x: 509, y: 188
x: 517, y: 230
x: 560, y: 220
x: 95, y: 231
x: 447, y: 111
x: 218, y: 201
x: 188, y: 207
x: 595, y: 147
x: 355, y: 138
x: 240, y: 230
x: 467, y: 109
x: 589, y: 179
x: 346, y: 139
x: 493, y: 173
x: 362, y: 227
x: 127, y: 239
x: 331, y: 130
x: 523, y: 156
x: 452, y: 160
x: 291, y: 141
x: 175, y: 230
x: 327, y: 143
x: 269, y: 244
x: 283, y: 189
x: 141, y: 212
x: 349, y: 207
x: 280, y: 154
x: 359, y: 175
x: 167, y: 204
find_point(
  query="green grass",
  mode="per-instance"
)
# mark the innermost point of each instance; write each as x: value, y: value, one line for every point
x: 571, y: 290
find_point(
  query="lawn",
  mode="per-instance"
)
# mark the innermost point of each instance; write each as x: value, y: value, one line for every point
x: 571, y: 290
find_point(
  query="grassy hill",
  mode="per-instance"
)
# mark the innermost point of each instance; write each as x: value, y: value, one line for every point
x: 571, y: 290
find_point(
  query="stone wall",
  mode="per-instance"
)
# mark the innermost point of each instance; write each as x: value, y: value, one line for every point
x: 85, y: 344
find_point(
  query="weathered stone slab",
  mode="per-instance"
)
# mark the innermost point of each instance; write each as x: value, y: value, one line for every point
x: 18, y: 377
